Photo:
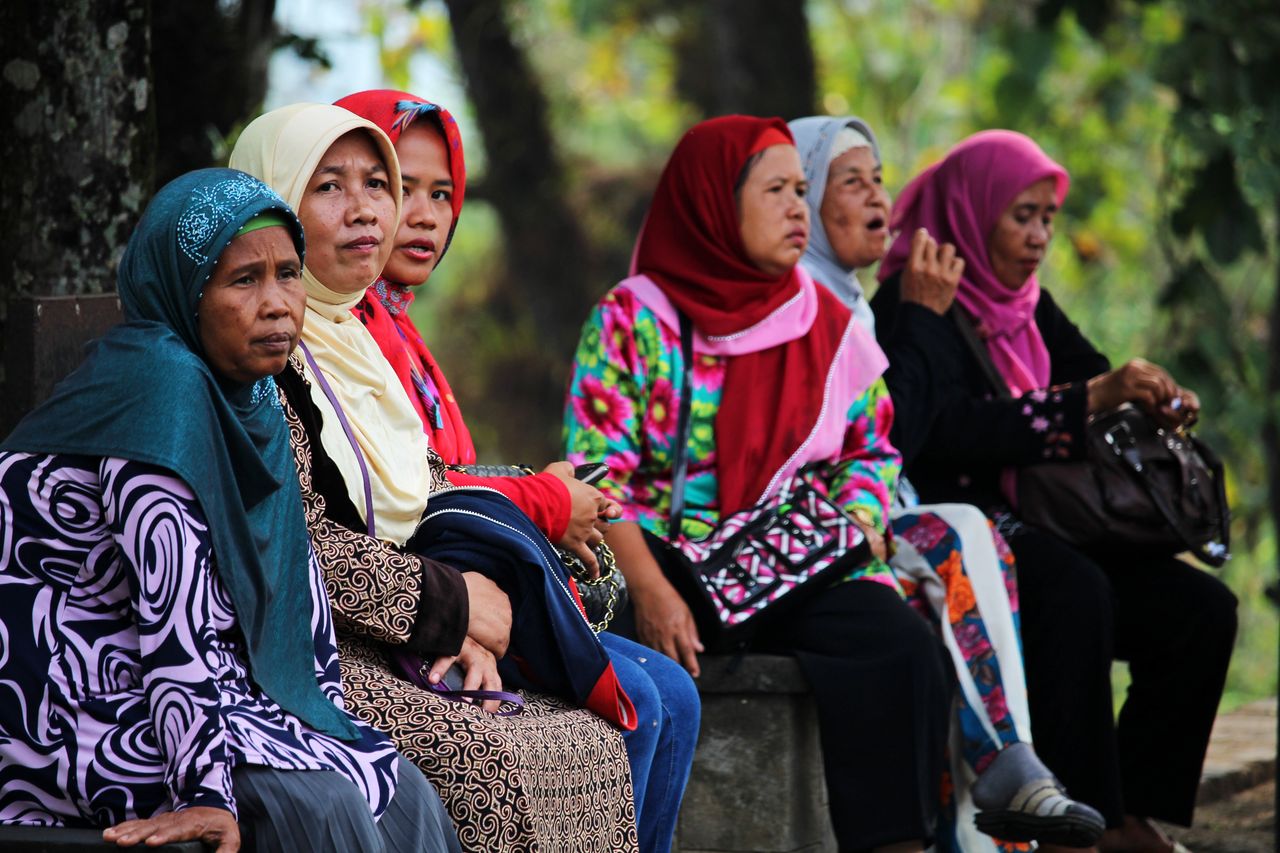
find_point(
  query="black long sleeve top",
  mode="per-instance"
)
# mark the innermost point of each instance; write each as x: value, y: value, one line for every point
x: 955, y: 432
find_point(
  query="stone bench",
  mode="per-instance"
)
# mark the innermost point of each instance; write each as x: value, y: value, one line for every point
x: 50, y: 839
x: 757, y: 780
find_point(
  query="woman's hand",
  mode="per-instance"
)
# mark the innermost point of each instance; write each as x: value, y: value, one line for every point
x: 489, y: 622
x: 588, y: 517
x: 1148, y: 386
x: 210, y: 825
x: 664, y: 622
x: 879, y: 548
x: 480, y: 668
x: 932, y: 274
x: 1185, y: 407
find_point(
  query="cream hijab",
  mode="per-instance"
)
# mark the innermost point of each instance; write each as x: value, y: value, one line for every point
x: 283, y: 149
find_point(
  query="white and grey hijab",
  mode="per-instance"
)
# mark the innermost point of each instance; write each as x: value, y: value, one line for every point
x: 821, y: 139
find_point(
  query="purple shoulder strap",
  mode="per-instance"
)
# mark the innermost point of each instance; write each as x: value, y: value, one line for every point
x: 346, y: 428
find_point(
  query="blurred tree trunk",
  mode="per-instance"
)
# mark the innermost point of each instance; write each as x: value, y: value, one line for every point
x: 1271, y: 424
x: 745, y: 56
x: 549, y: 270
x: 76, y: 92
x: 77, y: 154
x: 209, y: 58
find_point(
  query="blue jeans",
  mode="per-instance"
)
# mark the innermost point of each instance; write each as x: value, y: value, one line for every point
x: 660, y: 750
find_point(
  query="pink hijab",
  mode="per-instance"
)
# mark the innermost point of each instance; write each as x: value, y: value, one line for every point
x: 959, y: 200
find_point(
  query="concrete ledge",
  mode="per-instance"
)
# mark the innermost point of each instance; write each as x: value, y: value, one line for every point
x: 757, y: 781
x: 757, y: 784
x: 1242, y: 752
x: 753, y: 673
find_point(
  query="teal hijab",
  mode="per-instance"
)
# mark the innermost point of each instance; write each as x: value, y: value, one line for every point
x: 145, y: 393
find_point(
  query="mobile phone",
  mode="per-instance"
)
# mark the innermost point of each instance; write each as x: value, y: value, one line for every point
x: 591, y: 472
x: 453, y: 677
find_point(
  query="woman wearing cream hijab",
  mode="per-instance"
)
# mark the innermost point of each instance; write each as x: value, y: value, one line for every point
x: 377, y: 412
x: 366, y: 471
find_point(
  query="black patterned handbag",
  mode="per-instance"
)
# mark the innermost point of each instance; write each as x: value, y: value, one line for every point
x: 762, y: 561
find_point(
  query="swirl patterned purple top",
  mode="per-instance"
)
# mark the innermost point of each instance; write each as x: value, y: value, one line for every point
x: 124, y: 688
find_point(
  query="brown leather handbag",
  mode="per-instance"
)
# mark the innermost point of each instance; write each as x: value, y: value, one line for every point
x: 1141, y: 487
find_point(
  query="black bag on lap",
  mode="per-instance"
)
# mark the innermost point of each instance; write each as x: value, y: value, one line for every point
x: 1141, y: 487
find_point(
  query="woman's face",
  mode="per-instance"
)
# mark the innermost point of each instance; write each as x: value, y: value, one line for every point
x: 427, y: 214
x: 855, y: 209
x: 1022, y: 233
x: 348, y: 215
x: 250, y: 314
x: 772, y: 214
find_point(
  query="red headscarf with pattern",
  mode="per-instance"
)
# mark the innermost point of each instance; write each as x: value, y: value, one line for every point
x: 385, y: 307
x: 691, y: 247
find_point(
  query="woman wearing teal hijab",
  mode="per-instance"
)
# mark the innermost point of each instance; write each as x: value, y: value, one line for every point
x: 179, y: 678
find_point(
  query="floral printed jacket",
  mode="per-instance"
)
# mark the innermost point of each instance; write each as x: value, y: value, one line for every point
x: 623, y: 407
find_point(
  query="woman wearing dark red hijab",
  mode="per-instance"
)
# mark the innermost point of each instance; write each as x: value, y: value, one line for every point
x: 783, y: 379
x: 664, y: 726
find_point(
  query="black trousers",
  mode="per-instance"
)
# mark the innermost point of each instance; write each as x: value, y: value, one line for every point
x: 882, y: 684
x: 1173, y: 623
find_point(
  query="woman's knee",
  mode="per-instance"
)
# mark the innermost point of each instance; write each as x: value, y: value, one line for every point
x: 1211, y: 610
x: 676, y: 689
x: 1055, y: 581
x: 416, y: 818
x: 283, y: 808
x: 656, y: 684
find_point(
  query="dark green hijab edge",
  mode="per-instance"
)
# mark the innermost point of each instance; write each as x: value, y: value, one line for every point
x: 145, y: 393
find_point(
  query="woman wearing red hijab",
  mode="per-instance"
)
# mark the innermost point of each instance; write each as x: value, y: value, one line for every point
x: 995, y: 196
x: 783, y: 378
x: 565, y: 509
x: 660, y: 742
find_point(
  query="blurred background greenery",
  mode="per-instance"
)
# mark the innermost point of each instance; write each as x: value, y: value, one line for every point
x: 1161, y: 111
x: 1166, y: 113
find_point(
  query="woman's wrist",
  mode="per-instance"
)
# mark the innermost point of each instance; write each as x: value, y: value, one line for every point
x: 1095, y: 394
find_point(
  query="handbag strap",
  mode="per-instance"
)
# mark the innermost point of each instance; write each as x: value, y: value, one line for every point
x: 413, y: 668
x: 1216, y: 557
x: 979, y: 350
x: 351, y: 438
x: 680, y: 466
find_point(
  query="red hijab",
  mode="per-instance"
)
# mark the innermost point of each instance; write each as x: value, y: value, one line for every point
x: 691, y: 247
x: 384, y: 310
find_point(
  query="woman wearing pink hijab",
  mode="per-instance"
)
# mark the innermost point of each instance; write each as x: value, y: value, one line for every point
x: 995, y: 197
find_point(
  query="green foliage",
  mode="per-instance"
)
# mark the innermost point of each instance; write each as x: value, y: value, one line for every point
x: 1218, y: 183
x: 1165, y: 112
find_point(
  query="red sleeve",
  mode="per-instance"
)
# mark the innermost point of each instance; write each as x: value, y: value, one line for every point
x: 542, y: 497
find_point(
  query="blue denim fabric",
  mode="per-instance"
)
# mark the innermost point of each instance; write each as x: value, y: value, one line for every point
x: 660, y: 750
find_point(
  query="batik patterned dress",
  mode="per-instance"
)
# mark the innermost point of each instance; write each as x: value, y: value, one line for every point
x: 124, y: 687
x: 553, y: 778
